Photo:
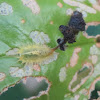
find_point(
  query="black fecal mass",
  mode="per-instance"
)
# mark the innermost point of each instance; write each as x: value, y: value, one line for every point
x: 62, y: 43
x: 77, y: 22
x: 69, y: 32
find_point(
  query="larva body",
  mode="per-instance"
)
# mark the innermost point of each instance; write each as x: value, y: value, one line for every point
x: 35, y: 54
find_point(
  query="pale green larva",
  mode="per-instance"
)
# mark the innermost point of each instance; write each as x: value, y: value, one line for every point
x: 36, y: 53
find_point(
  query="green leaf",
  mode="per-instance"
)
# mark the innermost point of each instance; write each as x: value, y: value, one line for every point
x: 15, y: 29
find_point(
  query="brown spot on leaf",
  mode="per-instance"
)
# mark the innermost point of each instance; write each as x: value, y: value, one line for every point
x: 60, y: 4
x: 2, y: 76
x: 22, y: 21
x: 99, y: 1
x: 98, y: 45
x: 51, y: 22
x: 75, y: 57
x: 36, y: 67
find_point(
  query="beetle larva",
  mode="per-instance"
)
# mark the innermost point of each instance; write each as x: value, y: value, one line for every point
x: 36, y: 54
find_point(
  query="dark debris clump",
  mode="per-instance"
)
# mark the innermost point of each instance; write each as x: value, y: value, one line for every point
x: 69, y: 32
x: 77, y: 22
